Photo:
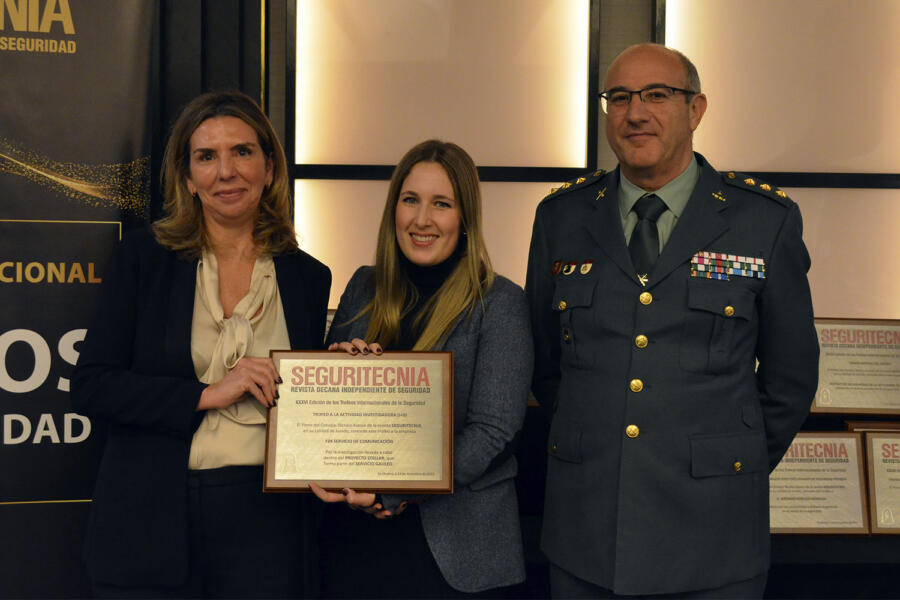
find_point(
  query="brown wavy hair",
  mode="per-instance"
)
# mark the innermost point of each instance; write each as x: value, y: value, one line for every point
x: 395, y: 295
x: 182, y: 228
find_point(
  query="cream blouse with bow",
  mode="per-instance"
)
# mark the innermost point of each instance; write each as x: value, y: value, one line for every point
x: 235, y: 435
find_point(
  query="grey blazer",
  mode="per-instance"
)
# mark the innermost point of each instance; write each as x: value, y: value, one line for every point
x: 474, y: 533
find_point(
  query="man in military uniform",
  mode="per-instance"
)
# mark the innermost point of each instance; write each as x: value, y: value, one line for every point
x: 654, y: 290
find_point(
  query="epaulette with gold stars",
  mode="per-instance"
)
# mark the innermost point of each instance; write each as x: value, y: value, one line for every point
x: 574, y: 184
x: 755, y: 185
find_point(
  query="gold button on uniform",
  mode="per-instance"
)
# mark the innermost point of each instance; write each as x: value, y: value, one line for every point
x: 567, y: 337
x: 636, y: 385
x: 632, y: 431
x: 562, y: 305
x: 646, y: 298
x: 738, y: 466
x: 553, y: 448
x: 641, y: 341
x: 729, y: 311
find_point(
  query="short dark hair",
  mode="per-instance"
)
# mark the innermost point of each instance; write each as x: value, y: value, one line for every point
x: 691, y: 76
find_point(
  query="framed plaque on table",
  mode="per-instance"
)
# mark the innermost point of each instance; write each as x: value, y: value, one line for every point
x: 883, y: 449
x: 379, y: 423
x: 818, y: 487
x: 859, y: 367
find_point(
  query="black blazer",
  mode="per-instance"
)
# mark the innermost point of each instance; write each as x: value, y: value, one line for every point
x: 135, y: 371
x: 664, y: 430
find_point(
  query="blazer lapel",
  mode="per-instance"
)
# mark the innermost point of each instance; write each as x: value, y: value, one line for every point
x: 291, y: 297
x: 699, y: 225
x: 605, y: 227
x: 181, y: 311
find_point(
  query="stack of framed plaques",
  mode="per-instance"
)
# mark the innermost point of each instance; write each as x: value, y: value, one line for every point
x: 846, y: 482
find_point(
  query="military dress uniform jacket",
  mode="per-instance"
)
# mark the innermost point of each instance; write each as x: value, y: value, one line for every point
x: 664, y: 431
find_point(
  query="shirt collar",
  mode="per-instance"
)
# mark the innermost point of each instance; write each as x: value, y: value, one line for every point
x: 675, y: 194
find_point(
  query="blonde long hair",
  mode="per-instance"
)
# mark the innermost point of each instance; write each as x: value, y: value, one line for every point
x: 182, y: 228
x: 395, y: 295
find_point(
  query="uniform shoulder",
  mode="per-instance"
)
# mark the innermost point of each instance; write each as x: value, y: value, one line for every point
x: 752, y: 184
x: 581, y: 182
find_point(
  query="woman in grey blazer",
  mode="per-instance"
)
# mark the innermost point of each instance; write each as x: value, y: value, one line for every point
x: 432, y: 288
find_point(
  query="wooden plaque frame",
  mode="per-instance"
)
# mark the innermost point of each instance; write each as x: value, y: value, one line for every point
x: 292, y: 393
x: 860, y: 484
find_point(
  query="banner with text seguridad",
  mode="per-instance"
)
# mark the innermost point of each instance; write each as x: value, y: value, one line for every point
x: 75, y: 140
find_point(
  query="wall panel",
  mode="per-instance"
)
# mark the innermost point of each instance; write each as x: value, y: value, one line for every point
x: 805, y: 85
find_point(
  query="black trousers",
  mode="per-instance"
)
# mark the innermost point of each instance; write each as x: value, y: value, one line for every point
x: 243, y: 543
x: 565, y: 585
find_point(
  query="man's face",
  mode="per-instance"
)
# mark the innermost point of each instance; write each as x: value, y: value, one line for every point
x: 651, y: 141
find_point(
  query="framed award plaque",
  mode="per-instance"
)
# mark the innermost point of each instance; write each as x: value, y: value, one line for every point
x: 883, y: 449
x: 859, y: 367
x: 818, y: 487
x: 380, y: 423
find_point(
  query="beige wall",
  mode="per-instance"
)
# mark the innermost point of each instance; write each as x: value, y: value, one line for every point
x: 855, y: 251
x: 505, y: 79
x: 337, y: 221
x: 809, y: 86
x: 495, y: 76
x: 804, y: 85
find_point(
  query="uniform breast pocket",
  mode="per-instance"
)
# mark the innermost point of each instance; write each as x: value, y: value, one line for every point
x: 574, y: 303
x: 715, y: 311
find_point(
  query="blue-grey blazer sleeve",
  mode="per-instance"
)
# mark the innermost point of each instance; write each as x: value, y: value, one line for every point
x: 498, y: 398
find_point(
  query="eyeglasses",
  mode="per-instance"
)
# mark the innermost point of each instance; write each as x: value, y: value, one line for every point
x: 653, y: 95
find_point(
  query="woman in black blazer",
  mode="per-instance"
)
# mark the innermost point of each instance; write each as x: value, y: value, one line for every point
x: 176, y: 363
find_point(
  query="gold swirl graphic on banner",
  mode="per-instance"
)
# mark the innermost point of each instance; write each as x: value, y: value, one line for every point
x: 125, y: 186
